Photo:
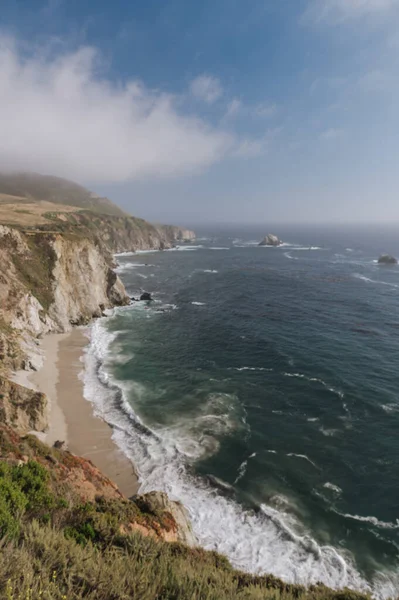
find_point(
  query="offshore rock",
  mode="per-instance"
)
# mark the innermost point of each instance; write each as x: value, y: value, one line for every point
x: 270, y: 240
x: 387, y: 259
x: 145, y: 296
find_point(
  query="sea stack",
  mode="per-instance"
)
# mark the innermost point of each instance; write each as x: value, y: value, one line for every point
x: 270, y: 240
x: 387, y: 259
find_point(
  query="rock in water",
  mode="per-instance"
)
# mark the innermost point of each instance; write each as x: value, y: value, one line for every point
x: 387, y: 259
x: 146, y: 296
x: 270, y: 240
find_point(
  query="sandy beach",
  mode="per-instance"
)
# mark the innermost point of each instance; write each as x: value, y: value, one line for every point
x: 71, y: 417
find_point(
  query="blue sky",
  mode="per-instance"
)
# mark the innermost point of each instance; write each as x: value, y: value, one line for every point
x: 221, y: 110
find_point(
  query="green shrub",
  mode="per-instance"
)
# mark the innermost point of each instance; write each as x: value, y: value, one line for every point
x: 32, y: 479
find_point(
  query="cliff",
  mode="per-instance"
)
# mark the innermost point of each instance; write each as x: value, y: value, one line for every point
x: 48, y: 283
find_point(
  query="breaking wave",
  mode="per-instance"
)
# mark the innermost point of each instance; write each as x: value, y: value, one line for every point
x: 266, y: 540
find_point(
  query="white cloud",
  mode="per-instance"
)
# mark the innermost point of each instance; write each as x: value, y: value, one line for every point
x: 253, y: 147
x: 339, y: 10
x: 233, y: 108
x: 265, y: 110
x: 59, y: 116
x: 207, y: 88
x: 331, y: 134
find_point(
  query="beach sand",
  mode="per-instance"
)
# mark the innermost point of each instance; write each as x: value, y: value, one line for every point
x: 71, y: 417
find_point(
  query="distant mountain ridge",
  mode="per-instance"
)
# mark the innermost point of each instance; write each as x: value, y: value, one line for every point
x: 33, y: 187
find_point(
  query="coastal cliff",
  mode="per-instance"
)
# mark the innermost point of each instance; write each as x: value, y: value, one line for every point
x: 57, y: 241
x: 66, y: 529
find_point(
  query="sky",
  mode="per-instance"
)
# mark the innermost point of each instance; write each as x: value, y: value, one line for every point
x: 234, y: 111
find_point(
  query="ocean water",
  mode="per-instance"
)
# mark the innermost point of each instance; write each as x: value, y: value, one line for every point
x: 261, y: 389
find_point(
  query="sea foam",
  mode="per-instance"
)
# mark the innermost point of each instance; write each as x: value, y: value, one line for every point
x: 266, y: 541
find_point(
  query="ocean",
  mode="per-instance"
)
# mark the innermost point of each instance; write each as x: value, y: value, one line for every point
x: 261, y: 389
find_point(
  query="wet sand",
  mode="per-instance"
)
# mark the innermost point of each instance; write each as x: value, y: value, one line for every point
x: 71, y: 417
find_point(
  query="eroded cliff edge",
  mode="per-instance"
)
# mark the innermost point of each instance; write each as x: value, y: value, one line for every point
x: 49, y: 282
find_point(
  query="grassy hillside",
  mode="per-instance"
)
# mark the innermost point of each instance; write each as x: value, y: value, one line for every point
x: 57, y: 545
x: 31, y: 188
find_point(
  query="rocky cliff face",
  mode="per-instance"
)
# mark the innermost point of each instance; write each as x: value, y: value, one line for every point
x: 177, y: 234
x: 22, y: 408
x: 119, y: 234
x: 50, y: 282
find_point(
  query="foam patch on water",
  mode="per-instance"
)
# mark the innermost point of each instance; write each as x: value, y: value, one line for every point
x: 266, y: 541
x: 295, y: 247
x: 239, y: 243
x: 329, y: 432
x: 124, y: 254
x: 252, y: 369
x: 334, y: 488
x: 390, y: 408
x: 190, y: 248
x: 288, y: 255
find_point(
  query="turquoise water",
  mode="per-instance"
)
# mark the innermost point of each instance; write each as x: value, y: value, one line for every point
x: 261, y: 389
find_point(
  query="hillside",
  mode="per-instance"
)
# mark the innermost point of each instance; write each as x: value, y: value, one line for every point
x: 28, y: 188
x: 41, y: 203
x: 68, y: 534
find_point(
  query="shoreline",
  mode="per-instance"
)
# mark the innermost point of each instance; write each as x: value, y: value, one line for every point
x: 71, y: 418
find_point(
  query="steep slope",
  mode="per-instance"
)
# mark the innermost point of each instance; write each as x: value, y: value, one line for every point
x: 48, y: 283
x: 67, y: 532
x: 33, y: 202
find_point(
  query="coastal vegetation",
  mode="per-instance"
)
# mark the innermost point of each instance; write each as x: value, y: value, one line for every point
x: 57, y: 544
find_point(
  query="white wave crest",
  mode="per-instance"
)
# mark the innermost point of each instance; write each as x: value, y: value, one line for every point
x: 304, y: 457
x: 199, y: 303
x: 242, y: 469
x: 372, y: 520
x: 124, y: 254
x: 376, y: 281
x: 258, y: 542
x: 390, y: 408
x: 316, y: 380
x: 288, y: 255
x: 332, y: 487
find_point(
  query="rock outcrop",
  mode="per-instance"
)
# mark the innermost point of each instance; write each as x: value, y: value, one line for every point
x: 84, y: 284
x: 22, y: 408
x: 50, y: 282
x: 177, y: 234
x: 387, y: 259
x: 152, y: 515
x: 270, y: 240
x: 158, y: 503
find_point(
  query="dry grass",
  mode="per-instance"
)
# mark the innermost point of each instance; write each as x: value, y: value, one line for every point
x: 45, y: 565
x: 24, y: 213
x: 55, y: 547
